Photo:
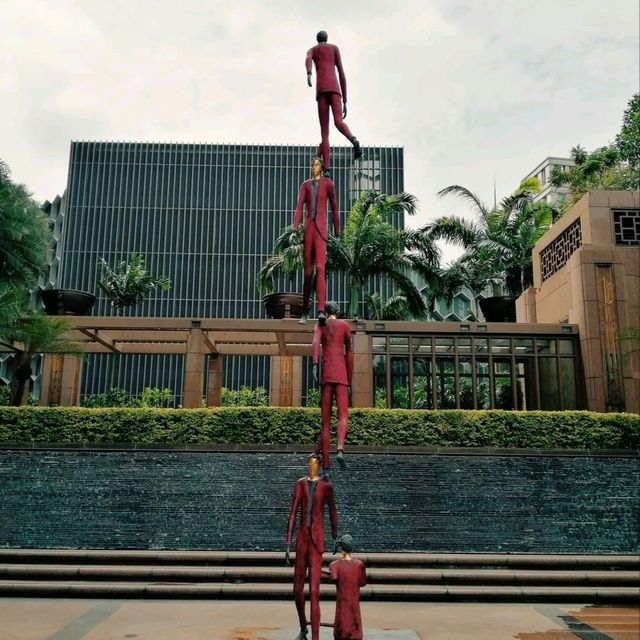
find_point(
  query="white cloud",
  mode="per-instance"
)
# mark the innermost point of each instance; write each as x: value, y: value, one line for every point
x: 469, y: 89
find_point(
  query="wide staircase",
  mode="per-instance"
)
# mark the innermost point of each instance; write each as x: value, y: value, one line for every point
x: 250, y: 575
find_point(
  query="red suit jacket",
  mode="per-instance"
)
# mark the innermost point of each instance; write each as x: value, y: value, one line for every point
x: 326, y: 192
x: 327, y: 59
x: 337, y: 356
x: 323, y: 494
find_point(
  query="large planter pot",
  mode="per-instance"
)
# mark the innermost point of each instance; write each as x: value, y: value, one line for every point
x: 276, y: 304
x: 499, y: 308
x: 67, y: 302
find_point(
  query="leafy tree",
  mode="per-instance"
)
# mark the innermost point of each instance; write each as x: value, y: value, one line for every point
x: 130, y: 282
x: 370, y: 247
x: 497, y: 243
x: 34, y: 332
x: 628, y: 140
x: 614, y: 166
x: 24, y: 243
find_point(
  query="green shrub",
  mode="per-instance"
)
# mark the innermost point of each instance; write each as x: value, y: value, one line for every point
x: 246, y: 397
x: 116, y: 397
x: 278, y: 425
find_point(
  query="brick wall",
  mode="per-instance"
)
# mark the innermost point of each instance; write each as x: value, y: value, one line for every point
x: 388, y: 502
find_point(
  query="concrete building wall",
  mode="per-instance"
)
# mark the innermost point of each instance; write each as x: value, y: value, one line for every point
x: 587, y: 272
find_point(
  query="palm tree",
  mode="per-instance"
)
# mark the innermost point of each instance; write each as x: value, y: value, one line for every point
x: 499, y: 240
x: 24, y: 243
x: 127, y: 285
x: 474, y: 271
x: 393, y: 308
x: 370, y: 247
x: 34, y: 333
x: 130, y: 282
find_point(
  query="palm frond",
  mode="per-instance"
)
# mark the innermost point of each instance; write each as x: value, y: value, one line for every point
x: 464, y: 193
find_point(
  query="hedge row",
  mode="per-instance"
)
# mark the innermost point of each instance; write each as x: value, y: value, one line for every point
x: 276, y: 425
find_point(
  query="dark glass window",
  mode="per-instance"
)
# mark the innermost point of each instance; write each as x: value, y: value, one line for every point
x: 379, y: 343
x: 483, y: 396
x: 525, y: 384
x: 422, y: 384
x: 465, y: 380
x: 523, y: 346
x: 380, y: 381
x: 400, y: 382
x: 549, y: 390
x: 445, y: 383
x: 502, y: 384
x: 500, y: 345
x: 565, y: 347
x: 568, y: 380
x: 398, y: 344
x: 444, y: 345
x: 421, y: 345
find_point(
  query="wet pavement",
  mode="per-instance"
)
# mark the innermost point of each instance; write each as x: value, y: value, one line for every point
x: 67, y: 619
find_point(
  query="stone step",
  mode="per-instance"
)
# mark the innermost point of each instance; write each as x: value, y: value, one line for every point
x: 270, y: 558
x: 275, y: 574
x: 270, y: 591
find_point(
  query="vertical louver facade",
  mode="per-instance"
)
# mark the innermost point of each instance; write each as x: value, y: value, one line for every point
x: 204, y: 215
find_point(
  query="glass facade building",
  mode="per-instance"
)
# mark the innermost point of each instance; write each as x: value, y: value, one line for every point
x: 205, y: 216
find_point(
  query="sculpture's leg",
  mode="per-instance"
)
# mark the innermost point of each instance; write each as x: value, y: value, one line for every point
x: 342, y: 403
x: 326, y: 396
x: 307, y: 256
x: 341, y: 126
x: 324, y: 100
x: 299, y: 573
x: 320, y: 255
x: 336, y: 109
x: 315, y: 571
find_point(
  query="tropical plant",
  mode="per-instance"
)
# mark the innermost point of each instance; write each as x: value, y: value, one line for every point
x: 370, y: 248
x: 475, y: 271
x: 34, y: 333
x: 24, y: 242
x: 130, y: 282
x: 498, y: 243
x: 127, y: 285
x: 393, y: 308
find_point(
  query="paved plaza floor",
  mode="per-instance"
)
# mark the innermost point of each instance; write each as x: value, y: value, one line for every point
x: 67, y: 619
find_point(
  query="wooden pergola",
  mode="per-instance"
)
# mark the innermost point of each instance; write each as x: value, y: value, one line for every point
x: 203, y: 343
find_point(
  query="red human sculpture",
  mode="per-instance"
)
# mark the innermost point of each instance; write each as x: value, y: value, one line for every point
x: 337, y: 370
x: 330, y: 95
x: 349, y: 574
x: 314, y: 195
x: 310, y: 496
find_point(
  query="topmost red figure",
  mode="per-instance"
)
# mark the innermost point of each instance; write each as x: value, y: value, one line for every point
x: 326, y: 58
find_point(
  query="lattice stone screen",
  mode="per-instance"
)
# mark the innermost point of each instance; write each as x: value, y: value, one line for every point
x: 555, y: 256
x: 626, y: 226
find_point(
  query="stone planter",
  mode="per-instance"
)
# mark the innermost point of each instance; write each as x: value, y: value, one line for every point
x: 499, y: 308
x: 67, y: 302
x: 277, y: 304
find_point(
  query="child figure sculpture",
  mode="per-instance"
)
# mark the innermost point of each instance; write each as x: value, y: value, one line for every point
x: 349, y: 574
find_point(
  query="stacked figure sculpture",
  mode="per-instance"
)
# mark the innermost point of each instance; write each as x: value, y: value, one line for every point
x: 332, y: 352
x: 314, y: 195
x: 330, y: 94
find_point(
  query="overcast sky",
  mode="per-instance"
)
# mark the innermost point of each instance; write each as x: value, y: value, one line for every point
x: 469, y: 88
